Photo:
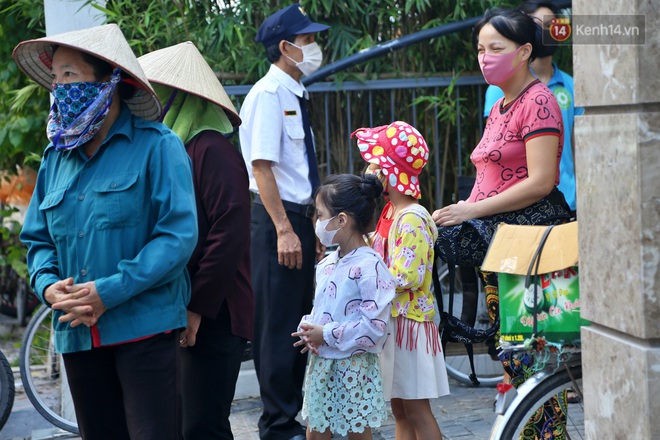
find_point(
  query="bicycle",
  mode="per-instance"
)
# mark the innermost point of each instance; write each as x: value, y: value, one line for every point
x: 6, y: 389
x: 563, y: 374
x: 42, y: 373
x: 556, y: 366
x: 17, y: 299
x: 43, y: 376
x: 489, y: 371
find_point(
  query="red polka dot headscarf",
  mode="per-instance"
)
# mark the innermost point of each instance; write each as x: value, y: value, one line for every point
x: 400, y: 151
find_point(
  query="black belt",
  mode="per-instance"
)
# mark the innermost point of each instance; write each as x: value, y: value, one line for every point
x: 296, y: 208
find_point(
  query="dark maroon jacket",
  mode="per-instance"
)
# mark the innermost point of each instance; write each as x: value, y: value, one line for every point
x: 220, y: 264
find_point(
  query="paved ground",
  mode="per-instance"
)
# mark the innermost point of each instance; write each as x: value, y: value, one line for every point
x: 466, y: 414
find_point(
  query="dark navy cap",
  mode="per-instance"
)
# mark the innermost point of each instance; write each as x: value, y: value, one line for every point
x: 291, y: 20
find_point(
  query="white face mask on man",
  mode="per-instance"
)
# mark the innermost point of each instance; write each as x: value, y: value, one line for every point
x: 312, y: 58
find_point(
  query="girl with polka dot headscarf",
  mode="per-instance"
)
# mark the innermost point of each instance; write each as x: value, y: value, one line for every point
x: 412, y: 362
x: 399, y: 150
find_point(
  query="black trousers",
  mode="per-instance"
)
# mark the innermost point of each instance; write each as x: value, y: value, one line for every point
x: 209, y: 372
x: 128, y: 391
x: 282, y: 297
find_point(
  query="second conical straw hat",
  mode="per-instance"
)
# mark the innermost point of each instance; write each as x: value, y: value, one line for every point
x: 183, y: 67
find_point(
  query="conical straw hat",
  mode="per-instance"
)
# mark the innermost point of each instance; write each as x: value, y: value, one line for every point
x: 106, y: 42
x: 183, y: 67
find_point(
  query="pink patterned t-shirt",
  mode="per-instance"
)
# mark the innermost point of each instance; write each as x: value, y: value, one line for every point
x: 500, y: 157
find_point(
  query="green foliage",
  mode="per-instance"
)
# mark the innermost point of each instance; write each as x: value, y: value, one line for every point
x: 23, y: 112
x: 224, y: 31
x: 12, y: 251
x: 23, y: 105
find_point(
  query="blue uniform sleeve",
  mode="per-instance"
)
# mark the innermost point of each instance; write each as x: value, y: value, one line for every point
x: 493, y: 94
x: 570, y: 86
x: 174, y: 235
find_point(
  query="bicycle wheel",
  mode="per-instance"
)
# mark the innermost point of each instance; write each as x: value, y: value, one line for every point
x: 42, y: 372
x: 517, y: 416
x: 6, y: 389
x: 489, y: 372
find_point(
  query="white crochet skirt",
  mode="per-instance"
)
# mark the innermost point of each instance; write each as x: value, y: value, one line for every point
x: 344, y: 395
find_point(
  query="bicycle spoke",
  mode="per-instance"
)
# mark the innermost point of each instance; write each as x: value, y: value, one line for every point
x: 517, y: 416
x: 42, y: 373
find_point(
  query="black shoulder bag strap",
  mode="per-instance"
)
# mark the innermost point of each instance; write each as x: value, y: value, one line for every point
x: 437, y: 288
x: 532, y: 278
x: 444, y: 320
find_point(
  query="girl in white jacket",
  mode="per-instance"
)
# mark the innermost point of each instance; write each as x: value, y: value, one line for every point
x: 347, y: 327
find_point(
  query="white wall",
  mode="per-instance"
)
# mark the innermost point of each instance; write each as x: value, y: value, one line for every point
x: 70, y: 15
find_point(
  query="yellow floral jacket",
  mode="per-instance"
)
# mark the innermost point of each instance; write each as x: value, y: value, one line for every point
x: 408, y: 252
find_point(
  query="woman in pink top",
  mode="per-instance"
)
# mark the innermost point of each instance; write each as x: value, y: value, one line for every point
x: 517, y: 162
x: 518, y: 157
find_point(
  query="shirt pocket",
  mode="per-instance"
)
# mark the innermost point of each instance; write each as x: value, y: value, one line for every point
x: 295, y: 130
x: 295, y: 133
x: 118, y: 201
x: 52, y: 208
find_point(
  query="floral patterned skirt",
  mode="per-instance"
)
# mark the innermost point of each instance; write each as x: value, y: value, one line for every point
x: 549, y: 421
x: 344, y: 395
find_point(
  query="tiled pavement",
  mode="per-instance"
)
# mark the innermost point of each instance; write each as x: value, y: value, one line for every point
x: 466, y: 414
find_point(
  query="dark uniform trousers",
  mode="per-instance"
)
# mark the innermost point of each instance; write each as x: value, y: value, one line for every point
x: 282, y: 297
x: 209, y: 372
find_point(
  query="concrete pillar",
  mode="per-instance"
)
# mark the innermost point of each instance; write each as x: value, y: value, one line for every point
x: 71, y: 15
x: 617, y: 151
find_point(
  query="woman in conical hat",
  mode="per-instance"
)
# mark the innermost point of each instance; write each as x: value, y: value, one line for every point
x: 109, y: 230
x: 221, y: 308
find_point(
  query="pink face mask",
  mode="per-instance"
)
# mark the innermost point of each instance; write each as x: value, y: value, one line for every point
x: 497, y: 68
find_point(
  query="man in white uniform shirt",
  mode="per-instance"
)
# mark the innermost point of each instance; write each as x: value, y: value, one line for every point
x: 278, y: 149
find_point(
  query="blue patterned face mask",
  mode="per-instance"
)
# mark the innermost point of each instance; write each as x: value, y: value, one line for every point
x: 79, y: 110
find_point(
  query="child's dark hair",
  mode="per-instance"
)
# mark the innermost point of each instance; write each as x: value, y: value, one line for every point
x: 514, y: 25
x: 354, y: 195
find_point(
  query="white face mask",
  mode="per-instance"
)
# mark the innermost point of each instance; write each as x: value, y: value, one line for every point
x: 312, y: 58
x: 325, y: 237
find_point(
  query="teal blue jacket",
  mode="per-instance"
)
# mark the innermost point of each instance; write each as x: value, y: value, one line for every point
x: 124, y: 218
